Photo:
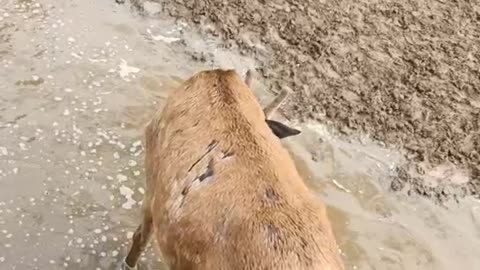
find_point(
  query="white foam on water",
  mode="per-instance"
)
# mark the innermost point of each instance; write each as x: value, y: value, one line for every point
x: 127, y: 193
x: 125, y: 70
x: 162, y: 38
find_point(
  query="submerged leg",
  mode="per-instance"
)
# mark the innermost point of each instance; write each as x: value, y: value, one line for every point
x: 140, y: 238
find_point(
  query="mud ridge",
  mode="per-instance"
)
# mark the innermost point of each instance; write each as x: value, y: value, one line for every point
x: 406, y: 73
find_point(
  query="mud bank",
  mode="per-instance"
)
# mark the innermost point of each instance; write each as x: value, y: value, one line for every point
x: 407, y: 74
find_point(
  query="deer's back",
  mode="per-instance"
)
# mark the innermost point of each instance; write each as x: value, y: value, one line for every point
x: 227, y: 194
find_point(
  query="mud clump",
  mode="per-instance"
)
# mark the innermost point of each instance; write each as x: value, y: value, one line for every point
x: 406, y: 73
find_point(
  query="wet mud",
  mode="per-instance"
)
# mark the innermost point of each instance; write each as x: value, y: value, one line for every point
x: 407, y: 74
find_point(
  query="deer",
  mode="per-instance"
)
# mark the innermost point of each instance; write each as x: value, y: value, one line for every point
x: 221, y: 190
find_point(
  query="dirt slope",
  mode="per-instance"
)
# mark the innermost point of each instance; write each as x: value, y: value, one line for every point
x: 406, y: 73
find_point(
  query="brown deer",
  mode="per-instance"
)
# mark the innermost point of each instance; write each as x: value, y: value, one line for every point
x: 221, y: 190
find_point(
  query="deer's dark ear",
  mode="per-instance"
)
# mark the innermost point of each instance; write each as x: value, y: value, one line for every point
x: 281, y: 130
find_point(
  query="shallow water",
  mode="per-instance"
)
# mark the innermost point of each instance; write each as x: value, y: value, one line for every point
x: 375, y: 228
x: 79, y: 80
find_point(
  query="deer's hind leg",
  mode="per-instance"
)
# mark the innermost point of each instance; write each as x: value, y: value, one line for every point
x: 144, y: 231
x: 140, y: 239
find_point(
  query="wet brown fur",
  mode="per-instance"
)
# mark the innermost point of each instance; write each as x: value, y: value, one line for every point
x: 222, y: 192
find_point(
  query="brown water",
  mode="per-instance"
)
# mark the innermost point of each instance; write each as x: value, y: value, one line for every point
x: 78, y: 80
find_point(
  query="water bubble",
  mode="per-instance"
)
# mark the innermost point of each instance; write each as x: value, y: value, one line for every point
x: 3, y: 151
x: 121, y: 178
x: 132, y: 163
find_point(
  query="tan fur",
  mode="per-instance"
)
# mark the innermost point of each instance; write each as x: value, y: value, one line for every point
x: 222, y: 192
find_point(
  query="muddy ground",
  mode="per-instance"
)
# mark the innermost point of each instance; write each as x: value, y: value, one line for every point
x: 406, y: 73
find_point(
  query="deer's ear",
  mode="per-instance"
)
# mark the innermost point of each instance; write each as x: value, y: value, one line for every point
x: 281, y: 130
x: 248, y: 78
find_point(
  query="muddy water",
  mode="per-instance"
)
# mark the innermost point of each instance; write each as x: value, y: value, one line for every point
x: 78, y: 80
x: 375, y: 228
